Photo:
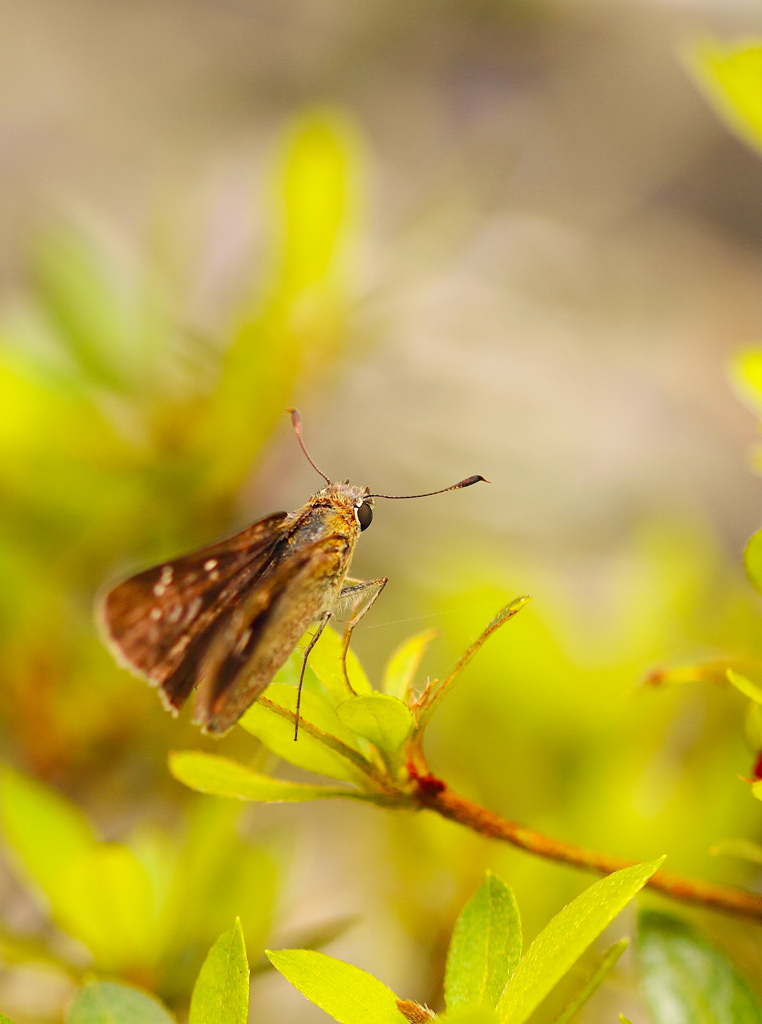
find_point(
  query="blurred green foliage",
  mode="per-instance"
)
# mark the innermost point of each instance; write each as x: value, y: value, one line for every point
x: 125, y: 434
x: 145, y: 910
x: 108, y: 1002
x: 220, y: 993
x: 686, y: 980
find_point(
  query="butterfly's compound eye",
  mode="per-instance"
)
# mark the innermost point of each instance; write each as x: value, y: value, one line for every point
x: 364, y: 515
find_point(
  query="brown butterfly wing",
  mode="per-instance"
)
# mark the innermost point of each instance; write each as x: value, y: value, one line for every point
x: 265, y: 627
x: 160, y: 622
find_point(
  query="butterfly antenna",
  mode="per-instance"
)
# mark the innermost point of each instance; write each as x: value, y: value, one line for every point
x: 296, y: 423
x: 455, y: 487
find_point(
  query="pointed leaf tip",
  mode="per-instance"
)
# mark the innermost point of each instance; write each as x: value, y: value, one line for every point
x: 560, y: 944
x: 348, y: 994
x: 221, y: 992
x: 485, y: 947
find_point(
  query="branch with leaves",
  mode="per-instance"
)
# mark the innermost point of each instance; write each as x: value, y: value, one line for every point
x: 489, y: 980
x: 371, y: 743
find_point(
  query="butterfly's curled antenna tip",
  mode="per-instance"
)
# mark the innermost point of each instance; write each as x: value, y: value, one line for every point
x: 454, y: 487
x: 296, y: 423
x: 468, y: 482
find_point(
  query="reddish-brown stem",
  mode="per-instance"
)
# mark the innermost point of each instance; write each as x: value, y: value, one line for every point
x: 436, y: 796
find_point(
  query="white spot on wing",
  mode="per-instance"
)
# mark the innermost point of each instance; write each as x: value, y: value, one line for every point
x: 193, y: 609
x: 166, y: 575
x: 210, y: 563
x: 243, y: 639
x: 180, y: 646
x: 156, y: 614
x: 159, y: 589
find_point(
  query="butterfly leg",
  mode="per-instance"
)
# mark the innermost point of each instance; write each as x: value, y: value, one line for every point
x: 362, y: 595
x: 315, y: 637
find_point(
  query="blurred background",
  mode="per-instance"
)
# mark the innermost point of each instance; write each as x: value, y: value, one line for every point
x: 503, y: 238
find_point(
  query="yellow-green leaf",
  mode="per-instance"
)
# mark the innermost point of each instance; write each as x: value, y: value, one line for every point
x: 566, y: 937
x: 221, y: 992
x: 346, y: 993
x: 601, y: 971
x: 309, y: 751
x: 383, y: 720
x: 211, y: 773
x: 401, y: 668
x: 485, y: 947
x: 325, y: 662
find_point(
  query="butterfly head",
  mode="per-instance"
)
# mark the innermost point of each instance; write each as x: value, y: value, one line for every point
x: 349, y: 500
